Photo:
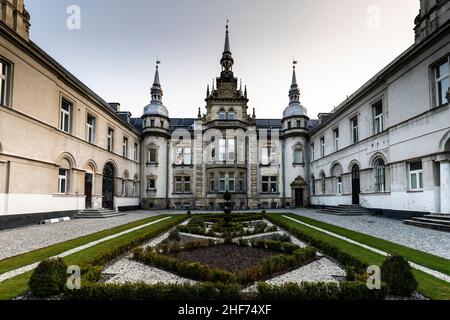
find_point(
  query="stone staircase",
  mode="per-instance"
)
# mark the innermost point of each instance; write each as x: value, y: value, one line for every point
x: 98, y: 214
x: 439, y: 222
x: 346, y: 210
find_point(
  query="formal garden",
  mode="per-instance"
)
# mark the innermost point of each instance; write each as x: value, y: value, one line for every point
x: 228, y: 256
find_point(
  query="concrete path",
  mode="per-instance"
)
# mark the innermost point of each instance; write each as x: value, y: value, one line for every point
x: 429, y: 271
x: 17, y: 272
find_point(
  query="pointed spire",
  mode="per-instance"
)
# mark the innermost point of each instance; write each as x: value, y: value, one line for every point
x: 156, y: 90
x: 227, y: 58
x: 294, y: 92
x: 199, y: 113
x: 207, y: 91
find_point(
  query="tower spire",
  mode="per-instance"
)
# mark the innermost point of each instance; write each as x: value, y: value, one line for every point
x: 294, y: 93
x: 227, y: 58
x: 156, y: 90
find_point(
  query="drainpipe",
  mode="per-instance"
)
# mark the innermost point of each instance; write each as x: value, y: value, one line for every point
x: 283, y: 146
x: 167, y: 175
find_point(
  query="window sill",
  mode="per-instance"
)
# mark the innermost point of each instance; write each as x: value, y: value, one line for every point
x: 414, y: 191
x: 299, y: 164
x: 182, y: 166
x: 155, y: 164
x: 151, y: 190
x: 66, y: 195
x: 182, y: 194
x: 270, y: 193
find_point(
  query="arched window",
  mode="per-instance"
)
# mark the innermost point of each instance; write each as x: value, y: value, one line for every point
x: 380, y: 176
x: 323, y: 182
x: 124, y: 184
x: 222, y: 115
x: 298, y: 154
x: 152, y: 154
x: 313, y: 185
x: 64, y: 176
x: 135, y: 191
x: 231, y: 115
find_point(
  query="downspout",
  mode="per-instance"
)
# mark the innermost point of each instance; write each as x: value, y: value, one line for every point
x: 167, y: 175
x: 283, y: 173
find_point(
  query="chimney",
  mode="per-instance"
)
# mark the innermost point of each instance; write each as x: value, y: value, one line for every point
x: 16, y: 17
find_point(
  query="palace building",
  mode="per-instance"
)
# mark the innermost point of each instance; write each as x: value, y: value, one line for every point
x: 64, y: 151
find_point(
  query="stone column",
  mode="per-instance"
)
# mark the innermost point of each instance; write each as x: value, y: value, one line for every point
x: 445, y: 186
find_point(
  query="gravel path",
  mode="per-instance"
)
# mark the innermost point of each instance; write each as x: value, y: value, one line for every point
x: 22, y: 240
x: 126, y: 270
x: 431, y: 241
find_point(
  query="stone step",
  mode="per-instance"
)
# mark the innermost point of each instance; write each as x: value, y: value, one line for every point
x: 429, y: 220
x: 427, y: 225
x: 343, y: 213
x: 445, y: 217
x: 98, y: 214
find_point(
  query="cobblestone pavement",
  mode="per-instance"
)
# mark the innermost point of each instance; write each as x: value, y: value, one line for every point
x: 22, y: 240
x: 431, y: 241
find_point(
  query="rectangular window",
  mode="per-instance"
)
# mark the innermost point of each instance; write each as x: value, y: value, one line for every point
x: 222, y: 115
x: 136, y: 152
x: 231, y: 148
x: 355, y: 131
x: 269, y: 156
x: 183, y: 156
x: 152, y: 155
x: 90, y: 128
x: 442, y: 83
x: 231, y: 183
x: 222, y: 149
x: 65, y: 116
x: 125, y: 147
x: 110, y: 140
x: 222, y: 182
x: 241, y: 151
x: 269, y: 184
x: 62, y: 181
x: 134, y: 189
x: 378, y: 117
x: 289, y: 125
x: 416, y: 176
x: 124, y: 188
x: 322, y: 147
x: 241, y: 182
x: 187, y: 184
x: 151, y: 183
x: 152, y: 123
x: 212, y: 182
x: 5, y: 71
x: 312, y: 152
x: 336, y: 139
x: 299, y: 124
x: 183, y: 184
x: 339, y: 186
x: 179, y: 184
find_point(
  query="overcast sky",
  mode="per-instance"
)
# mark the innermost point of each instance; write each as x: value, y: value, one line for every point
x: 340, y: 45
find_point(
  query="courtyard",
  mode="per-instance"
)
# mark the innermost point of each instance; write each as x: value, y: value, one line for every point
x: 280, y: 253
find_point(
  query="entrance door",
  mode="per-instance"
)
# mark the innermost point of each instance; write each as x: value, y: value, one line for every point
x: 299, y: 198
x: 356, y: 187
x: 88, y: 190
x: 108, y: 187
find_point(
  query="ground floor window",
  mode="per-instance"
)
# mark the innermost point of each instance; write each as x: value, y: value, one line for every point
x: 380, y: 174
x: 269, y: 184
x: 63, y: 181
x: 339, y: 186
x: 183, y: 184
x: 416, y: 176
x: 151, y: 183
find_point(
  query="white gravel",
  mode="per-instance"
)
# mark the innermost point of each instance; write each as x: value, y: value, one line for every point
x: 126, y: 270
x: 431, y: 241
x: 22, y: 240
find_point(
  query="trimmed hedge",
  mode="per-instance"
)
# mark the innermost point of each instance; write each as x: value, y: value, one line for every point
x: 142, y: 291
x: 49, y: 278
x: 343, y: 258
x: 320, y: 291
x: 397, y: 273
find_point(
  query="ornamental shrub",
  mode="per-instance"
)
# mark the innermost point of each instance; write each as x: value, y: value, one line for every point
x: 397, y: 274
x: 49, y: 278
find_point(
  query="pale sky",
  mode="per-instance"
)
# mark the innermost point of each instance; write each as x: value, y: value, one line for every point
x: 340, y: 45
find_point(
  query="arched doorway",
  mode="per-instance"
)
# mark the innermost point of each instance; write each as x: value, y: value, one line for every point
x: 300, y: 193
x: 356, y: 186
x: 108, y: 186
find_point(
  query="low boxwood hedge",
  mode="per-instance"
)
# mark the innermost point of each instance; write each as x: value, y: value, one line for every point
x: 320, y: 291
x: 158, y: 292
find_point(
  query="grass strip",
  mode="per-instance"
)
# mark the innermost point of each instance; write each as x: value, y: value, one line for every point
x: 429, y: 286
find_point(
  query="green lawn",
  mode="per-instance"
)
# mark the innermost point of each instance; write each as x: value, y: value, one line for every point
x: 16, y: 286
x: 425, y: 259
x: 28, y: 258
x: 429, y: 286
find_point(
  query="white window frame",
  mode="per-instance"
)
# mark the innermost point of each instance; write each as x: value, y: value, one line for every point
x: 298, y: 154
x: 183, y: 156
x: 65, y: 115
x: 90, y: 128
x: 231, y: 179
x: 222, y: 182
x: 5, y: 80
x: 378, y: 120
x: 110, y: 140
x: 439, y: 79
x: 125, y: 147
x: 418, y: 175
x: 231, y: 150
x: 355, y: 130
x: 63, y: 179
x: 339, y: 189
x: 336, y: 139
x: 322, y: 147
